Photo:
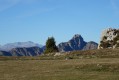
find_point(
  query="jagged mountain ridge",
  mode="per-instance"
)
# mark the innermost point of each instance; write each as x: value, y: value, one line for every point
x: 77, y: 43
x: 90, y: 45
x: 10, y: 46
x: 31, y: 51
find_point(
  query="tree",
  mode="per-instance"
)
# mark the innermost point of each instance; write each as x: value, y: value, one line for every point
x: 50, y: 45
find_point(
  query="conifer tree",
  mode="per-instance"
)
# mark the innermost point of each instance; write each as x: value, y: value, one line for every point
x: 51, y: 45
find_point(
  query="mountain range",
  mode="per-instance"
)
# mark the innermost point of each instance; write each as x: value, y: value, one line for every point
x: 10, y: 46
x: 33, y: 49
x: 77, y: 43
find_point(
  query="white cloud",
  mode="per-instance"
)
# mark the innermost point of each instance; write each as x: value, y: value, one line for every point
x: 34, y: 12
x: 115, y: 6
x: 28, y: 1
x: 6, y: 4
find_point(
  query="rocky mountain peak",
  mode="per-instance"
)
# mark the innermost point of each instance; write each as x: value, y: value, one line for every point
x: 76, y: 43
x: 77, y: 36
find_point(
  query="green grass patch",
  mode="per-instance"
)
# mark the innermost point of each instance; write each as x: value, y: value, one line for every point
x: 73, y: 69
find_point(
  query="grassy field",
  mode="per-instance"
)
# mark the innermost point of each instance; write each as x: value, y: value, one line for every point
x: 97, y: 67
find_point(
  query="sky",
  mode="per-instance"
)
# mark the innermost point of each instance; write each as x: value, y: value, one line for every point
x: 36, y: 20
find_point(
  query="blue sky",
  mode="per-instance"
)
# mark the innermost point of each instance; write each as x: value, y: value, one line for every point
x: 36, y: 20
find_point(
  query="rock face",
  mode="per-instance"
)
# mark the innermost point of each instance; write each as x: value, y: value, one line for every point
x: 9, y: 46
x: 109, y: 39
x: 90, y: 45
x: 32, y: 51
x: 76, y: 43
x: 5, y: 53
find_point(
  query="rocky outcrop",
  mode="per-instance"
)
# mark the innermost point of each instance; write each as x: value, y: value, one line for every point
x: 76, y: 43
x: 109, y: 39
x: 32, y: 51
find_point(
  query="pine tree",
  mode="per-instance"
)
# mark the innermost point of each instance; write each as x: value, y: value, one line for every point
x: 51, y: 46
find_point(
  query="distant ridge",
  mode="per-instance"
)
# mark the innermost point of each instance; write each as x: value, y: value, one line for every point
x: 10, y: 46
x: 31, y: 51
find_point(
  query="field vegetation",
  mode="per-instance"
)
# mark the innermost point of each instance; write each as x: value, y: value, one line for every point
x: 77, y: 65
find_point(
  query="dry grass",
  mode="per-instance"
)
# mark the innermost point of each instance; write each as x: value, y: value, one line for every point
x: 81, y: 65
x: 75, y: 69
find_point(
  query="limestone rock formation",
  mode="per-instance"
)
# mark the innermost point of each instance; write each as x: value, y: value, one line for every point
x: 109, y: 39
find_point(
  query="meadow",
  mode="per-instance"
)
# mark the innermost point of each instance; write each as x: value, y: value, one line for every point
x: 79, y: 65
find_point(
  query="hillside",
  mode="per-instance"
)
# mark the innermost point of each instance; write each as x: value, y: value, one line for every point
x: 102, y: 53
x: 77, y: 65
x: 31, y: 51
